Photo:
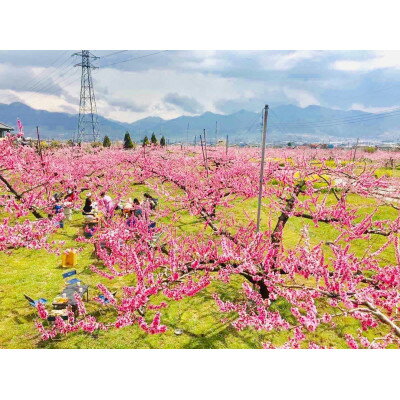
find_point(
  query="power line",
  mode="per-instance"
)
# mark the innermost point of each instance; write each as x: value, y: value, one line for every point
x: 258, y: 115
x: 53, y: 86
x: 380, y: 89
x: 283, y: 131
x: 59, y: 68
x: 29, y: 81
x: 133, y: 58
x: 67, y: 80
x: 112, y: 54
x: 52, y: 82
x: 344, y: 120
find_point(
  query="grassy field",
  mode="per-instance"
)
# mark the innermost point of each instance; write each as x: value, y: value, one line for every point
x: 38, y: 274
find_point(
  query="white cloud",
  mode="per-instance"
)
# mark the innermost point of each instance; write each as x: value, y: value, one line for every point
x: 301, y: 97
x: 381, y: 60
x: 39, y: 101
x: 284, y: 62
x: 150, y: 87
x: 361, y: 107
x: 9, y: 96
x: 40, y: 88
x: 197, y: 81
x: 203, y: 61
x: 213, y: 63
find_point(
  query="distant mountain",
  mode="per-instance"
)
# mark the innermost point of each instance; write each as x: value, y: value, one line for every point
x: 52, y: 124
x: 240, y: 125
x: 288, y: 122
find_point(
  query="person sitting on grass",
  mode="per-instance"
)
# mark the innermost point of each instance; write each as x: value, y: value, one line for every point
x: 57, y: 204
x: 88, y: 208
x: 137, y: 210
x: 69, y: 199
x: 133, y: 213
x: 126, y: 208
x: 58, y: 207
x: 107, y: 203
x: 71, y: 195
x: 150, y: 201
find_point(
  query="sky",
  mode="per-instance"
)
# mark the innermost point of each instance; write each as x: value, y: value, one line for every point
x: 130, y: 85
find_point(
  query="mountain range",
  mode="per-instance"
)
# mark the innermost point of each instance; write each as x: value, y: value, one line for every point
x: 286, y: 122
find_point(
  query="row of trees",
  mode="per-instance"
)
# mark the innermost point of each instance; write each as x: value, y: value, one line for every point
x: 342, y: 268
x: 293, y: 291
x: 129, y: 144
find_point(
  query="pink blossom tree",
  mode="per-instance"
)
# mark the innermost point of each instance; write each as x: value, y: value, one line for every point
x: 317, y: 280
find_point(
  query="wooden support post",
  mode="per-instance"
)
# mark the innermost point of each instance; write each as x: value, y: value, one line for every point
x: 262, y: 166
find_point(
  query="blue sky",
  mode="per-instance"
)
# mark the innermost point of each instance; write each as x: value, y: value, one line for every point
x: 174, y: 83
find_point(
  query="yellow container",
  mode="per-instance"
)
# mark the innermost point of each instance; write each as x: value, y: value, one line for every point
x: 69, y: 258
x: 72, y: 258
x: 64, y: 257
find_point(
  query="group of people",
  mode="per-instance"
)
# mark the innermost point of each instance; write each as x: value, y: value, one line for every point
x: 133, y: 208
x: 129, y: 209
x: 64, y: 203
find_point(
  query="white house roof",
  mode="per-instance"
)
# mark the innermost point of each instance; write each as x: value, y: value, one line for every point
x: 5, y: 127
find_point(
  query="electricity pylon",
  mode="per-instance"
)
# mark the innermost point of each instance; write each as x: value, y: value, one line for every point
x: 88, y: 126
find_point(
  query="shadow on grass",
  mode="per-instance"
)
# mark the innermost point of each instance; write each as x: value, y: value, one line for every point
x: 21, y: 319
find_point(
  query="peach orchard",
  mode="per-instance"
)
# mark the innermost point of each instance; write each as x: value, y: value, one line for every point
x: 318, y: 282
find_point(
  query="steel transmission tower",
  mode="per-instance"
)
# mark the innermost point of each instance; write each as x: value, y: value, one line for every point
x: 88, y: 126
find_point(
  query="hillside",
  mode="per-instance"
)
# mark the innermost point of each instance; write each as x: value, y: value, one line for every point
x: 286, y: 122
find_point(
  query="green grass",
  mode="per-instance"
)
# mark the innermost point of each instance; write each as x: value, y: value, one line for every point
x: 38, y: 274
x: 389, y: 172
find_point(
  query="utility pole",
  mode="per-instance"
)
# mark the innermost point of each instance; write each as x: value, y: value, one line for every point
x: 39, y: 144
x: 202, y: 151
x: 355, y: 149
x: 187, y: 135
x: 264, y: 136
x: 88, y: 125
x: 205, y: 149
x: 227, y: 144
x: 216, y: 133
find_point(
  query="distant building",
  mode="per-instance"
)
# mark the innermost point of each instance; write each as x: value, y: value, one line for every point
x: 4, y: 129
